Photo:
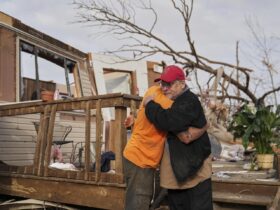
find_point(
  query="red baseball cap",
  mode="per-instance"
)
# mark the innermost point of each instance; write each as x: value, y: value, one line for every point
x: 171, y: 73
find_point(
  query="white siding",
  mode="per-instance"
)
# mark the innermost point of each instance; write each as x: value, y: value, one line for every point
x: 18, y: 137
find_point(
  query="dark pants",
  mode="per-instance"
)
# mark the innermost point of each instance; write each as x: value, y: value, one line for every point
x: 196, y: 198
x: 139, y: 189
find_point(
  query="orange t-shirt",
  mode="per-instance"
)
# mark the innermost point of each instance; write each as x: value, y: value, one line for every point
x: 146, y: 144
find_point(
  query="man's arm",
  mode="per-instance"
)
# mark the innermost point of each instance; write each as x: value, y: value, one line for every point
x: 186, y: 137
x: 175, y: 119
x: 191, y: 134
x: 129, y: 121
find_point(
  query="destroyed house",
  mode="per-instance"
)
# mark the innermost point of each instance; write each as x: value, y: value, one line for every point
x: 52, y: 150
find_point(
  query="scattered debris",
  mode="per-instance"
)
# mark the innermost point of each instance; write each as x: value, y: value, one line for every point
x: 32, y: 204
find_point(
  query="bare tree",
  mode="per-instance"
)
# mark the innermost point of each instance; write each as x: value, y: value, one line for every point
x: 119, y: 19
x: 265, y: 50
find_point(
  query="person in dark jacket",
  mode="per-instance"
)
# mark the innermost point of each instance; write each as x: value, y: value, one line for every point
x: 186, y: 159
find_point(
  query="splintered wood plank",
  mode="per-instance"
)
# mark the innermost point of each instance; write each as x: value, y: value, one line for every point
x: 49, y: 139
x: 87, y: 139
x: 120, y: 137
x: 257, y: 193
x: 108, y: 100
x: 38, y: 145
x: 261, y: 200
x: 60, y: 191
x: 68, y: 174
x: 43, y: 142
x: 22, y: 111
x: 78, y: 81
x: 99, y: 132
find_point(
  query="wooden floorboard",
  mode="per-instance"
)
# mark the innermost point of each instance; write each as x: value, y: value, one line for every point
x: 62, y: 191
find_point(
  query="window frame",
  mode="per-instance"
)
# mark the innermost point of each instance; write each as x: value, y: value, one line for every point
x: 51, y: 56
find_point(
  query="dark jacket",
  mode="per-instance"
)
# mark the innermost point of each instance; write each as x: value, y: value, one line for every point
x: 186, y: 111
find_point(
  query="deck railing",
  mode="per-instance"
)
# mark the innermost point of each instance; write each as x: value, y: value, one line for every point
x: 92, y: 109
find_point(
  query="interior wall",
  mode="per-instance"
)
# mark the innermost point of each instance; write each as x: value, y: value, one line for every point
x: 7, y: 65
x: 101, y: 62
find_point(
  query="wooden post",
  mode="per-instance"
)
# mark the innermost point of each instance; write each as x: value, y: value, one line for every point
x: 43, y: 139
x: 49, y: 139
x: 111, y: 139
x: 120, y: 137
x: 38, y: 146
x: 99, y: 133
x: 87, y: 140
x: 133, y: 111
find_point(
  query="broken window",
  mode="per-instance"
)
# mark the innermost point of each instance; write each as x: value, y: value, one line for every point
x: 41, y: 69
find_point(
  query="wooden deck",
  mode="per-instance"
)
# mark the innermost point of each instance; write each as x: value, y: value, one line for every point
x: 80, y: 187
x: 86, y: 187
x: 248, y: 190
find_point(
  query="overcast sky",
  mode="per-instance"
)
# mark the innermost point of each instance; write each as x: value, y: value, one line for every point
x: 216, y: 24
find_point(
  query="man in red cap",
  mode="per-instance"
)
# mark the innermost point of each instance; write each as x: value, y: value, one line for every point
x: 143, y: 153
x: 185, y: 168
